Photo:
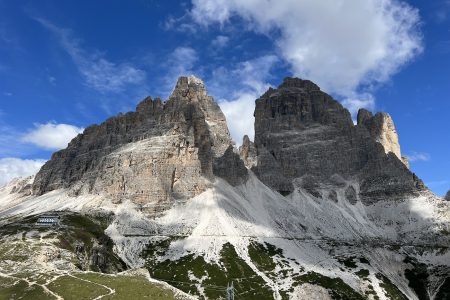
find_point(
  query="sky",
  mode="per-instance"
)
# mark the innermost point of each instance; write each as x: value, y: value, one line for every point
x: 67, y: 64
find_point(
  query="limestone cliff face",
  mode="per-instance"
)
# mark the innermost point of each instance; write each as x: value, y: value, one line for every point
x: 161, y: 152
x: 381, y: 128
x: 303, y: 133
x: 172, y: 150
x: 447, y: 196
x: 247, y: 151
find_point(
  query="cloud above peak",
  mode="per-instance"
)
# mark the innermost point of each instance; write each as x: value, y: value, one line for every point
x: 99, y: 73
x: 11, y: 167
x: 346, y: 47
x: 51, y: 136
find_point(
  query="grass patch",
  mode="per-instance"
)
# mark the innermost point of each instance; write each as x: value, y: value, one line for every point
x: 417, y: 278
x: 337, y: 288
x: 262, y: 256
x: 71, y: 288
x: 19, y: 289
x: 390, y: 290
x: 130, y: 287
x: 88, y: 232
x: 444, y: 290
x: 364, y: 260
x: 363, y: 273
x: 231, y: 267
x: 348, y: 262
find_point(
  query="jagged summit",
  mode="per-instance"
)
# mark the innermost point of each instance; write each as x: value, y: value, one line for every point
x: 294, y: 82
x: 303, y: 136
x: 190, y: 88
x: 161, y: 152
x: 382, y: 129
x: 329, y: 209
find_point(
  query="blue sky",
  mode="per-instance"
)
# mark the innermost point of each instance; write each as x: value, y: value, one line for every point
x: 67, y: 64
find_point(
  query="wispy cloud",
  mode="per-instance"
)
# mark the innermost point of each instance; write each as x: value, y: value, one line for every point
x: 181, y: 24
x: 11, y: 168
x: 51, y: 136
x: 418, y: 156
x: 180, y: 62
x: 220, y: 41
x: 347, y: 47
x: 99, y: 73
x: 237, y: 88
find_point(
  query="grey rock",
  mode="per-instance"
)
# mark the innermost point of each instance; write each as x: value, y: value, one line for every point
x: 382, y: 129
x: 231, y: 167
x: 300, y: 130
x: 310, y: 184
x: 22, y: 186
x: 247, y: 151
x: 447, y: 196
x: 161, y: 152
x: 332, y: 195
x: 350, y: 194
x: 405, y: 161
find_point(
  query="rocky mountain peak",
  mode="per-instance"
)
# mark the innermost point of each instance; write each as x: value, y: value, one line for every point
x: 189, y: 88
x: 293, y: 82
x: 382, y: 129
x: 162, y: 152
x: 247, y: 151
x: 301, y: 132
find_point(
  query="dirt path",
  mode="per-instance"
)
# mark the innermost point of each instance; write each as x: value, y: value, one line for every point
x: 111, y: 291
x: 30, y: 283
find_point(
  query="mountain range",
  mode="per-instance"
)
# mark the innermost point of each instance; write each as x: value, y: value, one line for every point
x: 318, y: 206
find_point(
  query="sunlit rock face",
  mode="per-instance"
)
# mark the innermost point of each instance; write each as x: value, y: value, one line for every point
x: 161, y: 152
x: 247, y: 151
x: 302, y: 131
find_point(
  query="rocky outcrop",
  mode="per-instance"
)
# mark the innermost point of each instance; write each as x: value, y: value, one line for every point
x: 300, y: 130
x: 161, y: 152
x: 247, y: 151
x: 382, y: 129
x: 447, y: 196
x: 22, y: 186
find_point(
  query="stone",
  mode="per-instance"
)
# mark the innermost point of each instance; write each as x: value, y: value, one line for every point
x: 300, y: 130
x: 382, y: 129
x: 332, y: 195
x: 162, y: 152
x: 22, y: 186
x: 350, y: 194
x: 231, y: 167
x: 405, y: 161
x: 247, y: 151
x: 447, y: 196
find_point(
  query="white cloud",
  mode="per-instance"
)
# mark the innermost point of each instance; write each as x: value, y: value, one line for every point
x: 237, y: 89
x: 344, y: 46
x: 52, y: 136
x: 180, y: 62
x: 15, y: 167
x: 220, y: 41
x: 99, y: 73
x: 239, y: 113
x: 416, y: 156
x: 357, y: 101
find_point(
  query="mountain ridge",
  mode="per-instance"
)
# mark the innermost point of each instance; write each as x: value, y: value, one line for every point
x: 316, y: 205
